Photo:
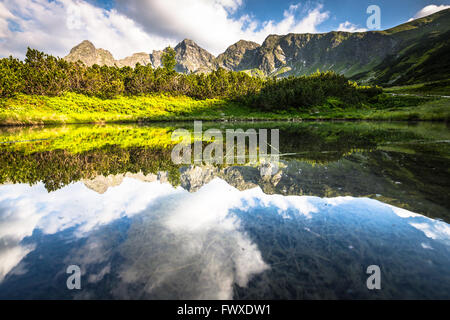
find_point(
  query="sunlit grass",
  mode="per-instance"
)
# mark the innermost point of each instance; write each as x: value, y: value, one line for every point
x: 77, y: 108
x: 83, y: 138
x: 72, y: 108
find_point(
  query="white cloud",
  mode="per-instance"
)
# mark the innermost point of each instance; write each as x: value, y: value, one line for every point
x: 200, y: 237
x: 200, y: 232
x: 186, y: 221
x: 140, y: 26
x: 10, y: 256
x: 231, y: 5
x: 210, y: 24
x: 55, y: 27
x: 350, y: 27
x: 5, y: 15
x: 426, y: 11
x: 21, y: 214
x: 435, y: 230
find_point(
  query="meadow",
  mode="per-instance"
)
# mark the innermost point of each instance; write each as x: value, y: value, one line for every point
x: 72, y: 108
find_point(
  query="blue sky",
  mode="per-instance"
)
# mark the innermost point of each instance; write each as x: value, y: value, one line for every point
x: 128, y: 26
x: 394, y: 12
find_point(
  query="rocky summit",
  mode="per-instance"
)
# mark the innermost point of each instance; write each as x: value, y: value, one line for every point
x: 401, y: 54
x: 191, y: 58
x: 87, y: 53
x: 239, y: 57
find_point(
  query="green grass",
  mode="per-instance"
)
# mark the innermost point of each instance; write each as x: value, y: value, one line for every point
x: 77, y: 108
x: 441, y: 88
x: 72, y: 108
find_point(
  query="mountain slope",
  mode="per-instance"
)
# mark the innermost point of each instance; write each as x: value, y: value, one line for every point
x: 422, y: 56
x: 343, y: 52
x: 359, y: 54
x: 423, y: 61
x: 416, y: 51
x: 192, y: 58
x: 239, y: 56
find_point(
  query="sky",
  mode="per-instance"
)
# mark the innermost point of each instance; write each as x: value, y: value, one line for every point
x: 125, y: 27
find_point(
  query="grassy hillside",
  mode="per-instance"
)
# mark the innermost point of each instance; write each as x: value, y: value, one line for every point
x: 422, y: 53
x: 414, y: 52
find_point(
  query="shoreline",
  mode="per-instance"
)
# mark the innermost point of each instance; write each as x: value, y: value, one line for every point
x: 73, y: 108
x: 29, y: 125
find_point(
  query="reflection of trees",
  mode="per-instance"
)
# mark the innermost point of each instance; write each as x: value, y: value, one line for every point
x: 60, y: 161
x: 376, y: 160
x: 58, y: 168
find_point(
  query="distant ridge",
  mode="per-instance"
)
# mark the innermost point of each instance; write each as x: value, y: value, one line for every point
x: 415, y: 51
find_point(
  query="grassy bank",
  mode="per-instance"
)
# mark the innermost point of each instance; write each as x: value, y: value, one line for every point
x: 77, y: 108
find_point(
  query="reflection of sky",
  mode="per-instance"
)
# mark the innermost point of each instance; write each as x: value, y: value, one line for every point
x: 187, y: 245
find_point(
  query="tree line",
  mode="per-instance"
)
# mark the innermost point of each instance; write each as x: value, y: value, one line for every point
x: 43, y: 74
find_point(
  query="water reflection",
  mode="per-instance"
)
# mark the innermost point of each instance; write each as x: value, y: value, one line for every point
x: 400, y: 164
x: 110, y: 200
x: 151, y: 240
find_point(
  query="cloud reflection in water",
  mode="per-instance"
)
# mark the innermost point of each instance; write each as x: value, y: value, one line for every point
x: 179, y: 244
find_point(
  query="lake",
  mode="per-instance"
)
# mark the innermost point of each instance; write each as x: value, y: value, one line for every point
x: 109, y: 200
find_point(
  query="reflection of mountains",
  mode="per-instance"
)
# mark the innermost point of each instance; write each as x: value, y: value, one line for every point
x: 192, y: 178
x: 400, y: 164
x: 380, y: 175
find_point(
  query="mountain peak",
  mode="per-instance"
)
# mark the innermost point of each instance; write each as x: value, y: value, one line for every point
x: 89, y: 55
x: 246, y: 42
x: 188, y: 41
x: 83, y: 46
x: 86, y: 43
x: 193, y: 58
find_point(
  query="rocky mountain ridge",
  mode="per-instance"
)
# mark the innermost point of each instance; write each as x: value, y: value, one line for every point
x: 87, y: 53
x: 361, y: 55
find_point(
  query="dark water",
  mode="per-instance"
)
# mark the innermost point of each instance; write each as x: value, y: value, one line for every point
x: 110, y: 200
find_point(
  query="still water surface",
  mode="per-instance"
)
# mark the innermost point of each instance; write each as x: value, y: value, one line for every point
x: 110, y: 200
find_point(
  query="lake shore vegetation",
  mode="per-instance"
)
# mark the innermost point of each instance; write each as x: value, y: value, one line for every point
x: 44, y: 89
